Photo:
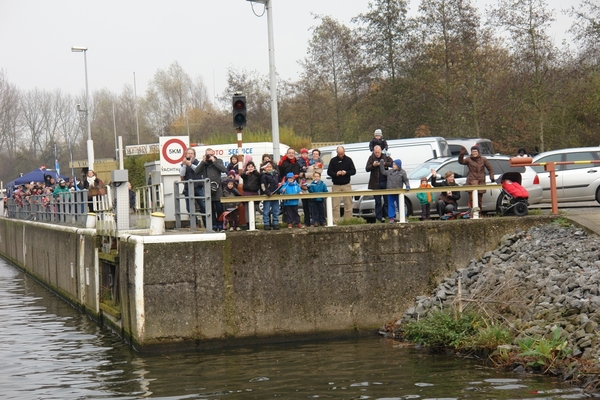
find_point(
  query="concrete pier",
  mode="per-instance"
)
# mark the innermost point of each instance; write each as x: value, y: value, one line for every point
x: 180, y: 290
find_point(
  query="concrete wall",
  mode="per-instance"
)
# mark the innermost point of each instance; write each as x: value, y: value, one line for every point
x: 277, y: 286
x: 203, y: 290
x: 62, y: 258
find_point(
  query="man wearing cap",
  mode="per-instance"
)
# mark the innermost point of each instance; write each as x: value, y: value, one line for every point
x: 476, y: 175
x: 341, y: 168
x: 378, y: 140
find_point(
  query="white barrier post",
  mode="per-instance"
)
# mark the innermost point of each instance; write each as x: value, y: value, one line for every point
x: 475, y: 209
x: 251, y: 216
x: 91, y: 220
x: 402, y: 210
x: 157, y: 223
x: 329, y: 207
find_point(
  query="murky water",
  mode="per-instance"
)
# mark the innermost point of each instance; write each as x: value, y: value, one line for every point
x: 50, y: 351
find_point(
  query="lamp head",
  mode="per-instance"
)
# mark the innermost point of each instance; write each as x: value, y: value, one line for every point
x: 78, y: 49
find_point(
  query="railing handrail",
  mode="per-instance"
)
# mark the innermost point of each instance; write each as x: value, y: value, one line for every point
x: 378, y: 192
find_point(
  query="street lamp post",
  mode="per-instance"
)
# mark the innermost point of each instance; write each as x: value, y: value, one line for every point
x: 273, y: 78
x: 90, y: 142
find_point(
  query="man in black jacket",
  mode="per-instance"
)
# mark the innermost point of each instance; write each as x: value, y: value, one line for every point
x: 212, y: 167
x: 378, y: 181
x: 341, y: 168
x: 187, y: 172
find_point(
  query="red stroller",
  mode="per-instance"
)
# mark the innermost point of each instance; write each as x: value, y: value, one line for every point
x: 514, y: 197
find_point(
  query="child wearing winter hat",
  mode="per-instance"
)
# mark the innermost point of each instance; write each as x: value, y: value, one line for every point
x: 231, y: 215
x: 396, y: 177
x: 425, y: 198
x: 304, y: 161
x: 290, y: 207
x: 378, y: 140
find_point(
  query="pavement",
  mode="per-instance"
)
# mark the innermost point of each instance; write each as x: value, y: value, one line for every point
x: 590, y: 221
x: 584, y: 214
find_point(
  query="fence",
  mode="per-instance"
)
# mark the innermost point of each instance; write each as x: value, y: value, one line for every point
x: 67, y: 208
x: 148, y: 199
x: 193, y: 198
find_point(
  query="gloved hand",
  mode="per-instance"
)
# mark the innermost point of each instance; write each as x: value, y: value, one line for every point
x: 462, y: 151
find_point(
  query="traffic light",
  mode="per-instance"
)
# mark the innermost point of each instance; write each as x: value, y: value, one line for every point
x: 239, y: 111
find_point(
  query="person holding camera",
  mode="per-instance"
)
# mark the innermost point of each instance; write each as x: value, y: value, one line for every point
x: 212, y: 167
x: 447, y: 202
x: 187, y: 173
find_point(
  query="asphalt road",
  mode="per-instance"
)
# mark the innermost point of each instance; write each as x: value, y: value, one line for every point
x: 571, y: 208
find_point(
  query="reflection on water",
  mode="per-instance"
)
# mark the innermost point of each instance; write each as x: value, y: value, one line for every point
x: 50, y: 351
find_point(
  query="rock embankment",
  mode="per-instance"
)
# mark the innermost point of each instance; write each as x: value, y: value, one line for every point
x: 536, y: 281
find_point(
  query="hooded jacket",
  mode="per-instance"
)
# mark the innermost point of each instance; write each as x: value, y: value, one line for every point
x: 395, y: 177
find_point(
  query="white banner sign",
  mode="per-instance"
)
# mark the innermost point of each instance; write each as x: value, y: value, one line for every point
x: 172, y: 153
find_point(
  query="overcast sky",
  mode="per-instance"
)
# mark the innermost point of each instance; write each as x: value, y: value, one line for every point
x: 205, y: 36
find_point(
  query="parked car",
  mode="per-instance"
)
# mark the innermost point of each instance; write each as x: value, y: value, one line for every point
x: 574, y: 182
x: 365, y: 206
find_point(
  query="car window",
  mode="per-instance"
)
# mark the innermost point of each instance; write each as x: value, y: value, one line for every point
x: 485, y: 148
x: 458, y: 169
x: 503, y: 166
x: 553, y: 157
x: 579, y: 156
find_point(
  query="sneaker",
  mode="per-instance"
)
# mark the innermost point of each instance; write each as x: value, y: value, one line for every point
x: 231, y: 229
x: 316, y: 225
x: 392, y: 220
x: 267, y: 228
x: 299, y: 226
x: 238, y: 229
x: 275, y: 227
x: 289, y: 225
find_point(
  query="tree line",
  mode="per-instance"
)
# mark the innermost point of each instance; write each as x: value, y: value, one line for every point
x: 450, y: 70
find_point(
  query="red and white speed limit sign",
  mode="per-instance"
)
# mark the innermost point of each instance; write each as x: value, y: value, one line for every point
x: 172, y: 153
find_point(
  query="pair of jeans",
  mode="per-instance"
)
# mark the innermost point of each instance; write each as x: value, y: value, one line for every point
x: 317, y: 212
x: 271, y: 206
x: 381, y: 203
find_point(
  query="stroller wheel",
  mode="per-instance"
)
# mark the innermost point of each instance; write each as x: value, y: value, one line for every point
x: 521, y: 209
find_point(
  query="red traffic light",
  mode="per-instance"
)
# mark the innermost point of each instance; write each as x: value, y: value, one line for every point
x: 239, y: 105
x: 239, y: 111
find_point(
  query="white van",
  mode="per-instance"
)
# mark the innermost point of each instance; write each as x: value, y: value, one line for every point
x: 412, y: 152
x: 249, y: 150
x: 486, y: 147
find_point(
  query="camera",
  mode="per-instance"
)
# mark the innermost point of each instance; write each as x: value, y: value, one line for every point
x: 188, y: 158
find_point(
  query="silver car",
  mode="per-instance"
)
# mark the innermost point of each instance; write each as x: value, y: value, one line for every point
x: 574, y: 182
x: 365, y: 206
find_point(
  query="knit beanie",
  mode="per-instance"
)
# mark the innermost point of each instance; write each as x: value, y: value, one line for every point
x: 398, y: 162
x: 378, y: 132
x: 289, y: 175
x: 475, y: 148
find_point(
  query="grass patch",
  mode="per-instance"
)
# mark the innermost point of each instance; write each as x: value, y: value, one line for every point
x: 351, y: 221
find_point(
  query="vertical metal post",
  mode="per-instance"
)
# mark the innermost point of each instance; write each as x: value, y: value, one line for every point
x: 273, y: 76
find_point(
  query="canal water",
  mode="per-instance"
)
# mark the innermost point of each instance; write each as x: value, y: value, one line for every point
x: 48, y: 350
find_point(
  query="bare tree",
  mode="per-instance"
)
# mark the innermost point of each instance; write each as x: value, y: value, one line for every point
x: 10, y: 108
x: 527, y: 23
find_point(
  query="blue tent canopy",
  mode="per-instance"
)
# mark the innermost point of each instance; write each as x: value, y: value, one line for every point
x: 37, y: 175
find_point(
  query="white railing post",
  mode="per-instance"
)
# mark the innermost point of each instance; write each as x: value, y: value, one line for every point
x: 329, y: 209
x: 475, y: 209
x: 401, y: 208
x: 251, y: 216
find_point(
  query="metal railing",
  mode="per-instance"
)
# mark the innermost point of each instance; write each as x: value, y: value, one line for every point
x: 191, y: 198
x: 148, y: 199
x: 329, y: 195
x: 64, y: 208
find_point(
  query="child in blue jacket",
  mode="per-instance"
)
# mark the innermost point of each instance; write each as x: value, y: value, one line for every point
x: 317, y: 206
x: 290, y: 207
